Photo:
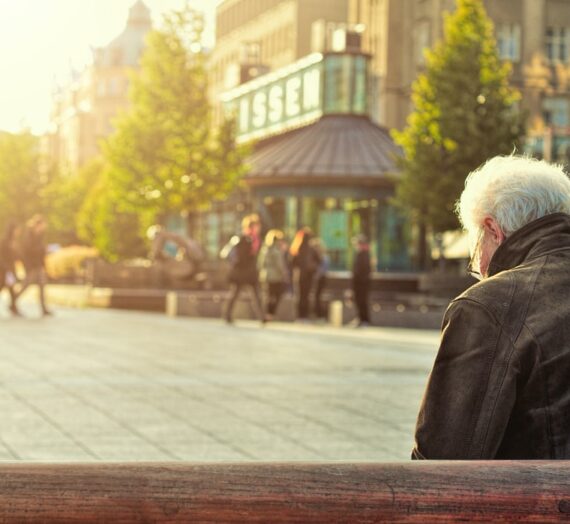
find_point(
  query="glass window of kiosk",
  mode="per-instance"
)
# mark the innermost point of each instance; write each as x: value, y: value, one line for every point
x: 280, y: 213
x: 336, y: 221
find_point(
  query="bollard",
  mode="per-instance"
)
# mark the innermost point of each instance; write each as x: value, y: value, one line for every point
x: 336, y: 313
x: 172, y: 304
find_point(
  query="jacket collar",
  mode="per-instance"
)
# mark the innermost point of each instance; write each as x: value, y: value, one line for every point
x: 537, y: 238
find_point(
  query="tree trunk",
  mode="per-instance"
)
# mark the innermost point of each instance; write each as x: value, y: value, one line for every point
x: 422, y: 247
x: 438, y: 238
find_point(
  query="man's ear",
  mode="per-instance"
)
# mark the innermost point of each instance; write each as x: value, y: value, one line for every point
x: 495, y: 230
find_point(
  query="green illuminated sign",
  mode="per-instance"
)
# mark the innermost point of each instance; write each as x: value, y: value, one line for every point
x: 299, y: 94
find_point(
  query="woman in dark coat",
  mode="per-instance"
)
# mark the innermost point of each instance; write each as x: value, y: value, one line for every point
x: 8, y: 258
x: 307, y: 261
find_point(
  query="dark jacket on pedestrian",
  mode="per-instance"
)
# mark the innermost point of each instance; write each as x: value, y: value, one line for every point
x: 33, y: 249
x: 8, y: 254
x: 307, y: 260
x: 500, y: 385
x: 244, y: 262
x: 361, y: 268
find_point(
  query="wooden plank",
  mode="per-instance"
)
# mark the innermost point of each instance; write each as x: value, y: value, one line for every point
x: 293, y: 492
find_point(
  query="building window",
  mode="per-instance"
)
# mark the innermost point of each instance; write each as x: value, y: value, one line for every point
x: 114, y: 87
x: 101, y: 88
x: 509, y: 42
x: 421, y: 41
x: 558, y: 44
x: 116, y: 57
x: 556, y: 111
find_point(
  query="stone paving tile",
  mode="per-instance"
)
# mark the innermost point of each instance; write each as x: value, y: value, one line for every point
x: 109, y: 385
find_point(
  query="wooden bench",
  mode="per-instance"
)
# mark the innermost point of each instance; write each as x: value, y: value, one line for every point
x: 290, y: 492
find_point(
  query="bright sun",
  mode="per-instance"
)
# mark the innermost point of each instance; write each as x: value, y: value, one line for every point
x: 43, y: 40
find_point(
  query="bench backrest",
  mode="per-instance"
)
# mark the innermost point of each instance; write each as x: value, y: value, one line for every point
x: 290, y: 492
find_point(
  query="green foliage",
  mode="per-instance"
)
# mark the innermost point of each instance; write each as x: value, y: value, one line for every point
x: 164, y: 157
x: 116, y: 234
x: 465, y: 112
x: 20, y: 179
x: 63, y: 197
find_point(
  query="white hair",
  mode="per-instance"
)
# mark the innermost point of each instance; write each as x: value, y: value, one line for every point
x: 514, y: 190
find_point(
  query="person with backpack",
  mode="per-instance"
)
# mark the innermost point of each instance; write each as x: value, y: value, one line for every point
x: 273, y: 270
x: 241, y: 252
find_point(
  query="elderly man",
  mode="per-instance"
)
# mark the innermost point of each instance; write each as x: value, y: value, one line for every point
x: 500, y: 384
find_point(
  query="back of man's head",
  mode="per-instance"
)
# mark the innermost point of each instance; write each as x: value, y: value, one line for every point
x: 514, y: 190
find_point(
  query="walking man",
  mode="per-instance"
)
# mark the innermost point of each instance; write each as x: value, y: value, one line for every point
x: 242, y: 254
x: 33, y: 257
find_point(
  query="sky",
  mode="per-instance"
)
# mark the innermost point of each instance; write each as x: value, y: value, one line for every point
x: 41, y: 40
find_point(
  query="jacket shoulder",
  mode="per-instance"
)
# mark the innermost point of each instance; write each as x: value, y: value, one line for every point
x: 494, y: 294
x: 507, y: 295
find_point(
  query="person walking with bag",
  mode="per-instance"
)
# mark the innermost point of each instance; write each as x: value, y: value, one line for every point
x: 33, y: 252
x: 242, y: 254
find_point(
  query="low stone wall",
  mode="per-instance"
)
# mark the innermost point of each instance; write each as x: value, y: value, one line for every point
x: 87, y: 296
x: 387, y: 315
x: 341, y: 312
x: 211, y: 305
x: 399, y: 311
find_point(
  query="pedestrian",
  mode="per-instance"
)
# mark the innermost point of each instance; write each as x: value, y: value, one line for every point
x: 273, y: 271
x: 33, y: 252
x: 8, y: 257
x: 288, y: 260
x: 320, y: 277
x: 306, y: 261
x: 242, y: 255
x: 255, y: 232
x: 499, y: 385
x: 361, y: 279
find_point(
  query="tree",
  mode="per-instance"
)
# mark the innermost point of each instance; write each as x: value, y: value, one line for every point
x: 20, y: 178
x: 63, y: 197
x: 464, y: 113
x: 116, y: 234
x: 164, y: 156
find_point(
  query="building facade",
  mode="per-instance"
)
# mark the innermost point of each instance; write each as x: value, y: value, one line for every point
x: 293, y: 75
x: 534, y: 35
x: 83, y: 110
x: 254, y: 37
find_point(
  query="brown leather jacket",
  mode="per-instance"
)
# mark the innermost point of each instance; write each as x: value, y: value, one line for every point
x: 500, y: 385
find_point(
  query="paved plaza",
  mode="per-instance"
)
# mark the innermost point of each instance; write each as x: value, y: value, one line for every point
x: 104, y: 385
